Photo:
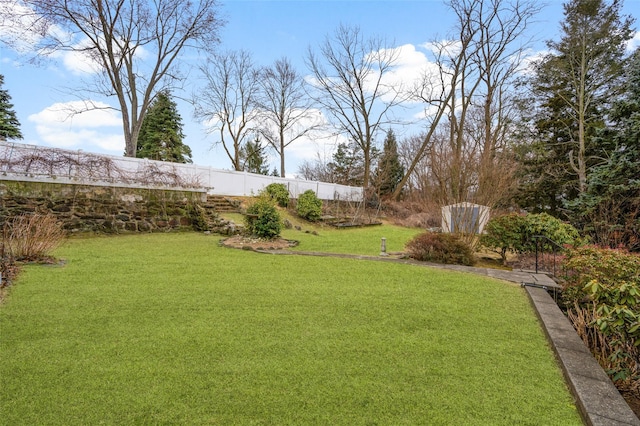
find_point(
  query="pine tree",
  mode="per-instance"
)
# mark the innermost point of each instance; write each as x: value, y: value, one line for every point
x: 389, y: 172
x: 347, y: 167
x: 571, y: 93
x: 253, y: 157
x: 9, y: 124
x: 610, y: 207
x: 161, y: 132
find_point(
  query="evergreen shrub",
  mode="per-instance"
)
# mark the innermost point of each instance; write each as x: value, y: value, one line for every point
x: 309, y: 206
x: 440, y: 248
x: 504, y: 234
x: 603, y: 289
x: 515, y: 233
x: 262, y: 218
x: 279, y: 193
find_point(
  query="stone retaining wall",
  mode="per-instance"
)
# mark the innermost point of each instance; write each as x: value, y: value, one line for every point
x: 86, y: 208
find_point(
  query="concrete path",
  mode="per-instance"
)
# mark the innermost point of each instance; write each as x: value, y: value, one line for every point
x: 599, y: 402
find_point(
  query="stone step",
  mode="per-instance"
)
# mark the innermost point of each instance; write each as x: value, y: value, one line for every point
x: 222, y: 204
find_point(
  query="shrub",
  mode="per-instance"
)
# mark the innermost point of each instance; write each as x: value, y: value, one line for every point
x: 309, y: 206
x: 33, y: 236
x: 440, y: 248
x: 550, y: 227
x: 603, y: 285
x: 515, y: 233
x: 263, y: 219
x: 505, y: 234
x: 279, y: 193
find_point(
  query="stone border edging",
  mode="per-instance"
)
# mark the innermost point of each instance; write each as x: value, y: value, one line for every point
x: 598, y: 400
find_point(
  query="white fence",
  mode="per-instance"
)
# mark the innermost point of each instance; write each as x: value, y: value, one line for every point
x: 36, y: 163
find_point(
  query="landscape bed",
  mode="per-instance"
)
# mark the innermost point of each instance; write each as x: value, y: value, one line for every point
x: 172, y: 328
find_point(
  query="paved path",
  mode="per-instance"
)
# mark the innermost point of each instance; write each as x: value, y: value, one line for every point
x: 598, y: 401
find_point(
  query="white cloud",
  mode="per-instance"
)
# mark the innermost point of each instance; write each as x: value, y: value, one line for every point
x: 410, y: 65
x: 634, y: 43
x: 80, y: 124
x: 529, y: 59
x: 23, y: 29
x: 15, y: 23
x: 79, y: 60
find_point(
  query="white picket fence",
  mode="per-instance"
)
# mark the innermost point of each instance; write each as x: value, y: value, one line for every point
x: 22, y: 162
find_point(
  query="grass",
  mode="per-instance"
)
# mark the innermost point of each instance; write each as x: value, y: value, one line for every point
x: 173, y: 329
x: 321, y: 237
x: 363, y: 241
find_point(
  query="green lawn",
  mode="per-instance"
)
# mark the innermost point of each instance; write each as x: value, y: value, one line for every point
x: 173, y: 329
x: 364, y: 241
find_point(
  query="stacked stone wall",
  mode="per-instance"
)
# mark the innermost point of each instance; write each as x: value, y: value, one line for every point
x: 85, y: 208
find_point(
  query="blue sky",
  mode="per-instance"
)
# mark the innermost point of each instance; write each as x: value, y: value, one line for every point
x: 269, y: 29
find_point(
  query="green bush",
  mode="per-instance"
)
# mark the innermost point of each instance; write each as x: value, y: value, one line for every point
x: 279, y: 193
x: 309, y: 206
x: 552, y: 228
x: 515, y: 233
x: 440, y: 248
x: 505, y: 234
x: 605, y: 284
x: 262, y: 218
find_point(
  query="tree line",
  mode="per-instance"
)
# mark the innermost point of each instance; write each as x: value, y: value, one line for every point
x: 558, y: 134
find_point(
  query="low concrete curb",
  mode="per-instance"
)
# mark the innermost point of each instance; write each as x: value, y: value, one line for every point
x: 598, y: 400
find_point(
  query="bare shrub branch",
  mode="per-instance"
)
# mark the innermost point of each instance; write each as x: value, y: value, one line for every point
x: 33, y: 236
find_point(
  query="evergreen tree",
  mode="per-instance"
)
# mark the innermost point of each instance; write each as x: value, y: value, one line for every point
x: 571, y: 92
x: 9, y: 124
x: 347, y: 167
x: 610, y: 207
x: 389, y: 172
x: 253, y: 157
x: 161, y: 132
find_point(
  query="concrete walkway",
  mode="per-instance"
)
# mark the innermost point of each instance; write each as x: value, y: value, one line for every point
x: 599, y: 402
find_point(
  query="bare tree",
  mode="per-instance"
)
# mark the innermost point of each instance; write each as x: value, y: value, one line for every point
x: 408, y: 149
x: 471, y: 93
x: 286, y: 111
x: 349, y: 76
x: 317, y: 170
x: 439, y: 95
x: 501, y: 28
x: 228, y: 101
x: 135, y: 44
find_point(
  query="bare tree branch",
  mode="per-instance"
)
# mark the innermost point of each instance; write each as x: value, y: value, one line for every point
x: 471, y: 94
x: 286, y: 111
x: 135, y: 44
x: 348, y: 75
x: 228, y: 100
